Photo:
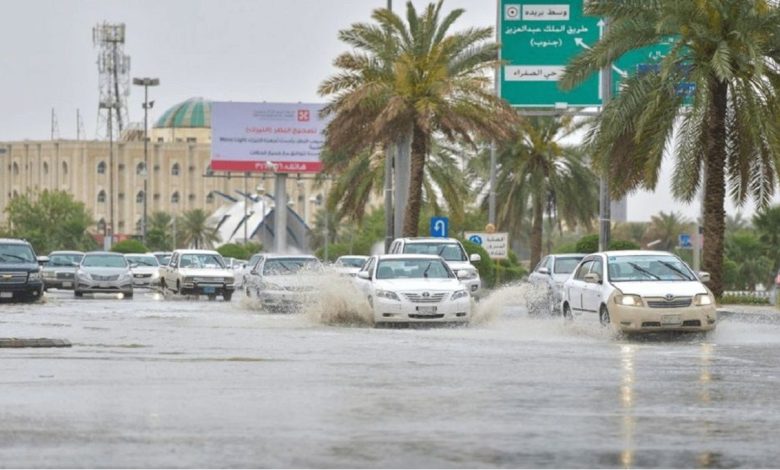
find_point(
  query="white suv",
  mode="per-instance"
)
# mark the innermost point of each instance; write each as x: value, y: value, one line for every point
x: 448, y: 248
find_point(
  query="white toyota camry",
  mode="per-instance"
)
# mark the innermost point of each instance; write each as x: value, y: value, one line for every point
x: 640, y: 291
x: 413, y: 289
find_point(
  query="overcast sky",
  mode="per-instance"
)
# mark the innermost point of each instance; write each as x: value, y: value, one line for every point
x: 222, y: 50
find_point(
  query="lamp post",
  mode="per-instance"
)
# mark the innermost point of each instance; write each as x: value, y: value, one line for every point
x: 146, y: 82
x: 109, y: 239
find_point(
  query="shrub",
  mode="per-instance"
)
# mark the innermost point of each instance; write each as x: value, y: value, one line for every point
x: 129, y: 246
x: 233, y: 250
x: 743, y: 299
x: 486, y: 267
x: 623, y: 245
x: 590, y: 244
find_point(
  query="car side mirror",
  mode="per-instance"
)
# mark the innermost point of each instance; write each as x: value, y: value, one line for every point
x: 462, y: 274
x: 363, y: 275
x: 704, y: 276
x: 475, y: 258
x: 43, y: 260
x: 544, y: 270
x: 592, y: 278
x: 74, y: 264
x: 133, y: 265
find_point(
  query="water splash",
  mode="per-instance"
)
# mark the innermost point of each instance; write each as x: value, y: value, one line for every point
x: 507, y: 300
x: 338, y: 302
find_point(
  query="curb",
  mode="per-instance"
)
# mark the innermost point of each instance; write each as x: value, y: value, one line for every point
x: 752, y: 317
x: 34, y: 343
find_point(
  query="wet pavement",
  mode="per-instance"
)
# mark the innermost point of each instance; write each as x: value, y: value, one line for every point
x: 154, y: 382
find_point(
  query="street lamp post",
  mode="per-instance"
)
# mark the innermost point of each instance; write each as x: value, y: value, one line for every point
x: 146, y: 82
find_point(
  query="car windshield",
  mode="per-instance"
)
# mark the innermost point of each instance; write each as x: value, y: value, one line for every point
x: 648, y: 268
x: 201, y: 261
x: 16, y: 253
x: 566, y: 265
x: 104, y: 261
x: 163, y: 259
x: 351, y: 262
x: 413, y: 269
x: 65, y: 260
x: 286, y: 266
x: 145, y: 261
x: 448, y: 251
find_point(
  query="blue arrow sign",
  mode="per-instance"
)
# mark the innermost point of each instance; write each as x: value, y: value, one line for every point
x: 685, y: 241
x: 476, y: 239
x: 440, y: 227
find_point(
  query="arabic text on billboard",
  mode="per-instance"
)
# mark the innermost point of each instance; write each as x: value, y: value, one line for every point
x: 261, y: 136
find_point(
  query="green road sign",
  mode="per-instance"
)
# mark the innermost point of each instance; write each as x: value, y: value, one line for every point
x: 539, y: 39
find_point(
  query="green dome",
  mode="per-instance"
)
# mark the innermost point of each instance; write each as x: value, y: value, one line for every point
x: 195, y: 112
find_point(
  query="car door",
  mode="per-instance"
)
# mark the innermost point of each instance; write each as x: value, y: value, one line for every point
x: 591, y: 292
x: 364, y: 285
x: 576, y: 287
x: 537, y: 277
x: 170, y: 270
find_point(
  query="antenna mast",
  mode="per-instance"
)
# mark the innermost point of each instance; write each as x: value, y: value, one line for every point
x: 114, y: 77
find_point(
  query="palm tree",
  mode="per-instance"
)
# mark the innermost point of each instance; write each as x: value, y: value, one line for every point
x: 196, y: 231
x: 726, y: 130
x: 158, y: 236
x: 631, y: 231
x: 665, y: 228
x: 767, y: 225
x: 736, y: 223
x: 406, y: 81
x: 537, y: 173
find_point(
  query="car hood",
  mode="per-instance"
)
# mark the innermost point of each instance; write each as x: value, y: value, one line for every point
x: 145, y: 270
x: 414, y: 285
x: 27, y: 267
x: 205, y: 272
x: 103, y: 271
x: 60, y: 269
x: 662, y: 288
x: 455, y: 265
x: 293, y: 280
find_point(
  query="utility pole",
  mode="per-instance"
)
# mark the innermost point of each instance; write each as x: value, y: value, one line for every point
x: 604, y: 201
x: 146, y: 82
x: 389, y: 216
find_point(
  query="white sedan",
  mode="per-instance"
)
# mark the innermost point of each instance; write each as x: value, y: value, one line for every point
x: 413, y: 289
x: 639, y: 292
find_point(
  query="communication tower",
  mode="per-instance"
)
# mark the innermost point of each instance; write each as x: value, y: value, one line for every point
x: 114, y: 78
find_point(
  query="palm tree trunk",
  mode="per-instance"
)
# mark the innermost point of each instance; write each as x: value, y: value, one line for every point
x: 715, y: 189
x: 414, y: 202
x: 536, y: 231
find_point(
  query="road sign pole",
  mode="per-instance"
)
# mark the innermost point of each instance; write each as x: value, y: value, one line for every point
x: 604, y: 201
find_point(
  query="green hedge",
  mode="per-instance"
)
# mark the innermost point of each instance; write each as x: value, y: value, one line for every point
x: 743, y: 300
x: 129, y: 246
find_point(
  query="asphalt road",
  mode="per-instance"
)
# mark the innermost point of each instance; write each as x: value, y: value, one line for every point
x: 154, y: 382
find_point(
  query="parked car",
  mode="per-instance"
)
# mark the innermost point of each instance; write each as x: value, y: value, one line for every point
x: 103, y: 272
x: 60, y: 271
x: 198, y: 272
x: 349, y: 265
x: 414, y: 289
x: 639, y: 291
x: 248, y: 267
x: 145, y: 269
x: 547, y: 279
x: 163, y: 257
x: 20, y: 272
x: 283, y: 283
x: 451, y: 250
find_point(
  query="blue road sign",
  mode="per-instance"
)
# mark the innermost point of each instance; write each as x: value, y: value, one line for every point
x: 476, y: 239
x: 685, y: 241
x: 440, y: 227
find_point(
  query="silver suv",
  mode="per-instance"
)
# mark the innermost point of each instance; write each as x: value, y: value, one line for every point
x: 448, y: 248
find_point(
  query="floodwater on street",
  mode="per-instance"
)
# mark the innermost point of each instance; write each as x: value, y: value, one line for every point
x: 155, y: 382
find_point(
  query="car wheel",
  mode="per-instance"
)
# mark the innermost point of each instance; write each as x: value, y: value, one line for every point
x: 227, y: 296
x: 248, y: 292
x: 604, y: 315
x: 78, y: 293
x: 212, y: 296
x: 128, y: 295
x: 567, y: 316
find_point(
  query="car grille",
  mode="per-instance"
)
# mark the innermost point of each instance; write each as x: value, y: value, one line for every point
x: 676, y: 302
x: 299, y: 288
x: 64, y: 275
x: 13, y: 277
x: 426, y: 317
x: 141, y: 276
x: 419, y: 298
x: 208, y: 279
x: 98, y: 277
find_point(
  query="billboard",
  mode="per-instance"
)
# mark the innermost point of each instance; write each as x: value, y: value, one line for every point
x: 257, y: 137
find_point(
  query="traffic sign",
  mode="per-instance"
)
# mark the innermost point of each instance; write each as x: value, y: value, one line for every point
x: 538, y: 40
x: 440, y: 227
x: 685, y: 241
x: 496, y: 244
x: 476, y: 239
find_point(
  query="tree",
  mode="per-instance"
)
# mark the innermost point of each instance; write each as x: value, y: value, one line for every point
x: 129, y: 246
x: 233, y: 250
x: 665, y: 229
x: 196, y: 231
x: 537, y: 173
x: 726, y: 51
x: 748, y: 253
x: 159, y: 234
x: 405, y: 82
x: 767, y: 226
x: 634, y: 231
x: 50, y: 220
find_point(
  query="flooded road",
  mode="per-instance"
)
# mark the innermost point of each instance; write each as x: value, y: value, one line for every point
x: 151, y: 382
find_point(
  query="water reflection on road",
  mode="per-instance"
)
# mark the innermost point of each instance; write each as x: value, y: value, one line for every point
x: 187, y: 383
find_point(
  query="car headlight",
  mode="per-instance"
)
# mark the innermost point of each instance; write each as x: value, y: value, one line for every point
x: 386, y: 294
x: 34, y: 276
x: 125, y: 277
x: 188, y: 280
x: 468, y: 274
x: 702, y: 299
x: 229, y: 280
x: 49, y: 274
x: 155, y: 275
x: 84, y: 275
x: 628, y: 300
x: 459, y: 294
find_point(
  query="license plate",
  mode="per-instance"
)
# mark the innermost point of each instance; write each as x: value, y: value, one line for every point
x: 426, y: 309
x: 67, y: 284
x: 6, y: 295
x: 209, y: 289
x: 671, y: 320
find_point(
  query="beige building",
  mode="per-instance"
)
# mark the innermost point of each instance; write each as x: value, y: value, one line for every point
x: 180, y: 178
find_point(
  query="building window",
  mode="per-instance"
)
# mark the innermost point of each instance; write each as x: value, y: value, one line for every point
x: 121, y: 225
x: 101, y: 196
x: 192, y: 139
x: 175, y: 198
x: 156, y: 196
x: 175, y: 169
x: 45, y: 168
x: 121, y: 196
x: 209, y: 171
x: 16, y: 169
x: 139, y: 198
x: 101, y: 226
x: 191, y: 197
x: 157, y: 168
x: 16, y: 194
x: 139, y: 169
x: 121, y: 167
x: 64, y: 168
x: 210, y: 198
x: 101, y: 168
x: 192, y: 168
